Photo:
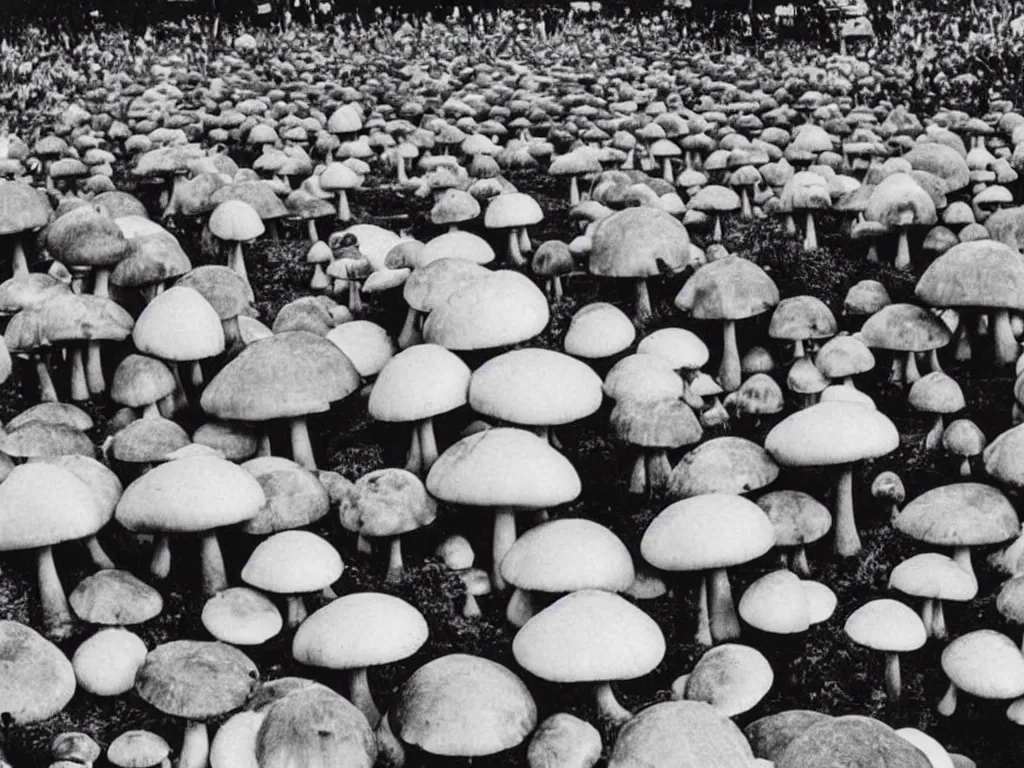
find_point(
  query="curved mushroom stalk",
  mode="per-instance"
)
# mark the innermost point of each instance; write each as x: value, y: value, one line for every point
x: 215, y: 577
x: 847, y: 538
x: 302, y: 448
x: 195, y: 748
x: 515, y: 255
x: 798, y: 562
x: 962, y: 555
x: 396, y: 565
x: 414, y: 456
x: 947, y: 706
x: 361, y: 697
x: 47, y: 391
x: 1005, y: 345
x: 730, y: 374
x: 608, y: 707
x: 725, y: 623
x: 98, y: 556
x: 504, y: 538
x: 19, y: 261
x: 934, y: 437
x: 412, y: 331
x: 428, y: 444
x: 525, y: 604
x: 297, y: 611
x: 893, y: 681
x: 57, y: 618
x: 811, y: 235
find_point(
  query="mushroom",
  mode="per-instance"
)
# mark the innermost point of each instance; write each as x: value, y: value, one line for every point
x: 653, y: 426
x: 715, y: 200
x: 295, y: 497
x: 983, y: 663
x: 241, y: 616
x: 428, y: 287
x: 551, y: 261
x: 722, y: 465
x: 844, y: 357
x: 889, y: 626
x: 106, y: 663
x: 22, y: 211
x: 935, y: 578
x: 899, y: 202
x: 964, y: 440
x: 357, y: 631
x: 710, y: 533
x: 598, y: 331
x: 939, y: 394
x: 292, y: 563
x: 854, y: 739
x: 834, y: 434
x: 195, y: 681
x: 645, y: 378
x: 139, y: 749
x: 75, y: 747
x: 732, y: 678
x: 591, y: 636
x: 798, y: 519
x: 806, y: 192
x: 769, y: 736
x: 564, y: 739
x: 505, y: 469
x: 234, y: 222
x: 801, y: 319
x: 339, y: 178
x: 226, y: 292
x: 115, y: 598
x: 514, y: 211
x: 780, y: 603
x: 142, y: 382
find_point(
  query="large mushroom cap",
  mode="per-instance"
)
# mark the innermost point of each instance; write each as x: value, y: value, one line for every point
x: 980, y: 273
x: 503, y: 467
x: 853, y: 742
x: 179, y: 325
x: 190, y: 495
x: 463, y: 706
x: 636, y: 241
x: 420, y: 382
x: 905, y: 328
x: 292, y: 562
x: 86, y: 237
x: 236, y: 221
x: 459, y: 246
x: 115, y: 597
x: 886, y: 625
x: 771, y: 735
x: 933, y: 575
x: 1002, y: 458
x: 589, y: 636
x: 957, y: 515
x: 802, y: 317
x: 286, y: 375
x: 430, y: 285
x: 731, y: 288
x: 362, y: 629
x: 36, y: 679
x: 986, y: 664
x: 647, y: 378
x: 809, y: 437
x: 732, y: 678
x: 664, y: 423
x: 713, y: 530
x: 387, y: 502
x: 295, y: 497
x: 681, y: 734
x: 22, y: 208
x: 568, y: 554
x: 512, y: 209
x: 535, y: 387
x: 42, y: 504
x: 499, y: 310
x: 196, y: 680
x: 798, y: 518
x: 722, y: 465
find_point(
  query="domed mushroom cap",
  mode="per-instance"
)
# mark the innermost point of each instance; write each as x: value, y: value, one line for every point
x: 235, y: 221
x: 933, y: 575
x: 292, y: 562
x: 722, y: 465
x: 681, y: 734
x: 844, y: 356
x: 899, y: 201
x: 981, y: 273
x: 936, y: 392
x: 1010, y: 600
x: 115, y: 597
x: 53, y: 413
x: 680, y: 348
x: 905, y: 328
x: 22, y: 208
x: 503, y: 467
x: 647, y: 378
x: 222, y: 287
x: 635, y: 242
x: 148, y: 440
x: 366, y: 344
x: 853, y: 741
x: 535, y: 387
x: 106, y: 663
x: 455, y: 246
x: 777, y: 603
x: 713, y: 530
x: 463, y: 706
x: 241, y: 616
x: 502, y: 309
x: 283, y: 376
x: 568, y: 554
x: 387, y: 502
x: 512, y: 209
x: 715, y: 198
x: 42, y: 504
x: 140, y: 380
x: 36, y: 678
x: 798, y: 518
x: 599, y: 330
x: 655, y: 424
x: 564, y: 739
x: 802, y: 317
x: 959, y: 515
x: 362, y: 629
x: 865, y: 298
x: 45, y: 439
x: 986, y: 664
x: 294, y: 495
x: 189, y: 495
x: 430, y: 285
x: 76, y: 317
x: 1002, y: 458
x: 769, y: 736
x: 731, y: 288
x: 196, y: 680
x: 732, y: 678
x: 178, y: 325
x: 811, y: 437
x: 589, y: 636
x: 86, y: 237
x: 420, y: 382
x: 942, y: 161
x: 886, y: 625
x: 314, y: 726
x: 134, y: 749
x: 27, y: 290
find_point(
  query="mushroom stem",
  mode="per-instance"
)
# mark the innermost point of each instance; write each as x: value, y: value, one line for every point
x: 195, y: 374
x: 195, y: 748
x: 608, y: 707
x: 411, y: 335
x: 232, y: 336
x: 893, y: 684
x: 644, y: 312
x: 965, y: 467
x: 962, y: 342
x: 47, y: 392
x: 716, y: 234
x: 962, y: 555
x: 98, y: 556
x: 638, y: 478
x: 934, y: 436
x: 933, y: 361
x: 215, y: 577
x: 947, y: 706
x: 297, y: 611
x: 1004, y: 343
x: 312, y: 233
x: 263, y: 447
x: 344, y: 212
x: 928, y: 615
x: 798, y: 349
x: 525, y: 246
x: 939, y: 630
x: 396, y: 567
x: 428, y: 444
x: 703, y: 634
x: 574, y: 191
x: 363, y: 545
x: 790, y: 223
x: 160, y: 564
x: 798, y: 562
x: 359, y: 694
x: 847, y: 539
x: 811, y: 236
x: 730, y: 375
x: 95, y: 380
x: 658, y: 470
x: 514, y: 255
x: 745, y: 208
x: 903, y: 251
x: 504, y: 538
x: 79, y: 384
x: 392, y: 751
x: 302, y: 449
x: 912, y: 373
x: 725, y: 624
x: 355, y: 298
x: 57, y: 617
x: 19, y: 261
x: 414, y: 456
x: 237, y: 262
x: 523, y: 606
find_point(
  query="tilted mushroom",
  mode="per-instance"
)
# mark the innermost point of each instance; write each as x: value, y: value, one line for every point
x: 889, y: 626
x: 935, y: 578
x: 983, y: 663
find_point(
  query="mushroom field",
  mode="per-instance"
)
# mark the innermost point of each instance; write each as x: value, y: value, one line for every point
x: 391, y: 396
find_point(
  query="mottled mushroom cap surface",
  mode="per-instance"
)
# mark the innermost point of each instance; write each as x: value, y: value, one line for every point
x: 853, y: 742
x: 959, y: 515
x: 904, y: 328
x: 387, y: 502
x: 722, y: 465
x: 639, y: 242
x: 933, y: 575
x: 115, y: 597
x: 731, y: 288
x: 36, y: 678
x: 981, y: 273
x: 986, y: 664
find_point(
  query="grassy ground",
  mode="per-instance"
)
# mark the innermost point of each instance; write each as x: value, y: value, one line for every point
x: 820, y: 670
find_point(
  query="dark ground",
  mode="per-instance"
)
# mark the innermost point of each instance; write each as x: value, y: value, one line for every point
x: 821, y: 670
